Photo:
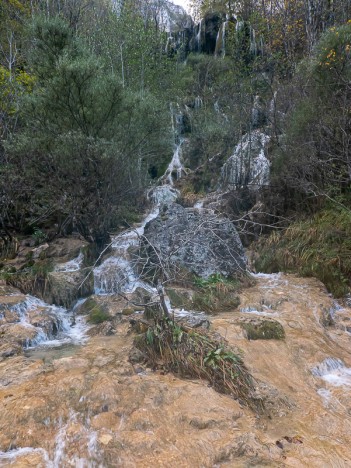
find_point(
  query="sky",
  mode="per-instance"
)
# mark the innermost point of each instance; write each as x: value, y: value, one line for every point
x: 183, y: 3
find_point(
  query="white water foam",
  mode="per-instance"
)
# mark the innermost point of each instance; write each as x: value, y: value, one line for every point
x: 62, y: 329
x: 10, y: 457
x: 72, y: 265
x: 254, y: 311
x: 334, y: 372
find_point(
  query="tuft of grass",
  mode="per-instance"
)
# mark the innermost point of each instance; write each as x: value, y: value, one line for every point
x: 216, y: 293
x: 31, y: 277
x: 198, y: 354
x: 319, y: 247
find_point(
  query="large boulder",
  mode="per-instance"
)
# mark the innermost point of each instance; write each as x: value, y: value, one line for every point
x: 193, y: 240
x: 65, y: 288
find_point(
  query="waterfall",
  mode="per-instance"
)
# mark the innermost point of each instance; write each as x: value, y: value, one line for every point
x: 118, y: 273
x: 175, y: 168
x: 198, y: 103
x: 220, y: 41
x: 198, y: 37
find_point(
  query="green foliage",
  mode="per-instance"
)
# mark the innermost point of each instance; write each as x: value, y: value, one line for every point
x: 95, y: 311
x: 80, y: 124
x: 216, y: 293
x: 319, y: 246
x: 214, y: 279
x: 313, y: 158
x: 332, y: 64
x: 39, y: 236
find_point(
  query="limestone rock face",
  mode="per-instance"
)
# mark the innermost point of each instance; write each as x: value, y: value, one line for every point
x: 205, y: 33
x: 196, y: 241
x: 248, y: 166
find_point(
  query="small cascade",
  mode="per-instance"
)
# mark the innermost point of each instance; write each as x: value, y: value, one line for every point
x: 72, y: 265
x: 198, y: 103
x: 62, y: 453
x: 162, y: 195
x: 220, y: 41
x: 41, y: 324
x: 253, y: 42
x: 175, y: 169
x: 334, y: 372
x: 117, y: 274
x: 265, y: 312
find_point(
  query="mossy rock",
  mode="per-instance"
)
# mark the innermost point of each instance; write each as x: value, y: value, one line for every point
x: 128, y: 311
x: 98, y: 315
x: 263, y: 330
x: 95, y: 311
x: 215, y: 301
x: 180, y: 298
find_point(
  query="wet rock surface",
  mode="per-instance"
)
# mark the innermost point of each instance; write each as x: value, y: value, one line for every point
x: 198, y: 242
x: 248, y: 165
x: 65, y: 288
x: 100, y: 405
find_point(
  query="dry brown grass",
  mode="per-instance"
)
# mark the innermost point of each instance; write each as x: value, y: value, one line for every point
x: 198, y: 354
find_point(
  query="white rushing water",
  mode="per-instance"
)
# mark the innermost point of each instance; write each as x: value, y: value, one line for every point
x: 334, y: 372
x: 72, y: 265
x: 175, y: 168
x: 60, y: 456
x: 265, y: 312
x: 118, y: 273
x: 48, y: 325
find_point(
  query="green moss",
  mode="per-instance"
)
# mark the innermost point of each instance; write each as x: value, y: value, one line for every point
x: 95, y: 311
x: 216, y: 293
x: 98, y: 315
x: 319, y: 247
x: 264, y: 330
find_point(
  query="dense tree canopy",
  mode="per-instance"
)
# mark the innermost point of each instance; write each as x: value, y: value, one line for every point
x: 86, y: 89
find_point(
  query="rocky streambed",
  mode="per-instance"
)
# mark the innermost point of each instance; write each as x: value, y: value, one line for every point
x: 98, y: 403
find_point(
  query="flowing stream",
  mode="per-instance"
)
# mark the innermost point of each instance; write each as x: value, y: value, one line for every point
x: 58, y: 326
x: 92, y: 408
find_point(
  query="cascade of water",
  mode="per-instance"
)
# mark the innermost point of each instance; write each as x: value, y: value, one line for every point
x: 253, y: 43
x: 175, y: 168
x: 72, y: 265
x: 223, y: 37
x: 220, y: 40
x: 198, y: 103
x: 198, y: 37
x: 118, y: 273
x: 52, y: 326
x: 334, y: 372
